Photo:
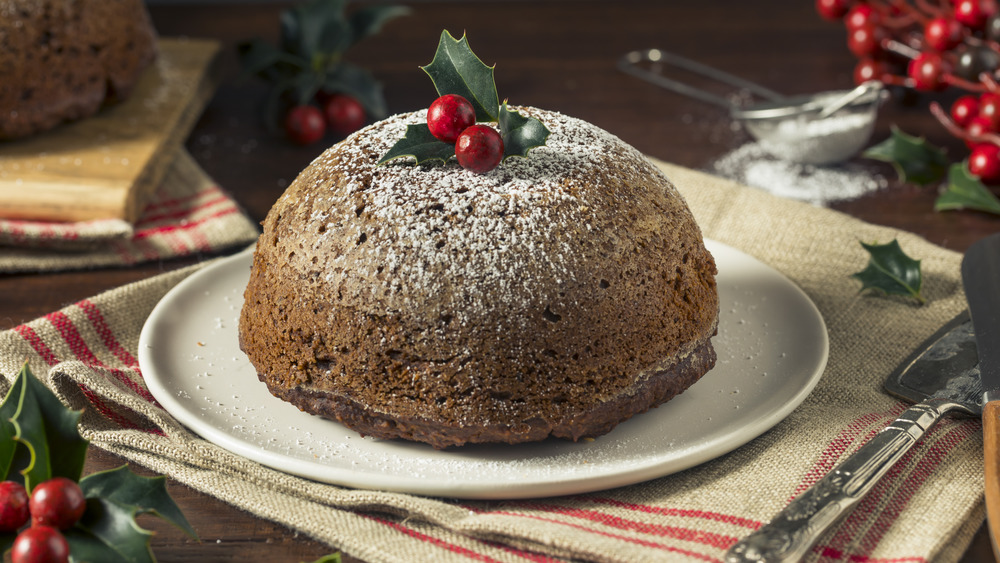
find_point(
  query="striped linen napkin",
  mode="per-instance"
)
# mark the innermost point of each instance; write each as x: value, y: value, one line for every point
x: 927, y: 509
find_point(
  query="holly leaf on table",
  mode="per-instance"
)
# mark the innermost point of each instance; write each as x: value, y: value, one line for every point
x: 520, y: 134
x: 145, y: 495
x: 891, y: 271
x: 455, y: 69
x: 914, y: 159
x: 49, y: 431
x: 108, y: 532
x: 965, y: 191
x: 421, y: 144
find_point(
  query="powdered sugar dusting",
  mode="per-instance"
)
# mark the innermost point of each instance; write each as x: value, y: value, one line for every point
x: 519, y: 230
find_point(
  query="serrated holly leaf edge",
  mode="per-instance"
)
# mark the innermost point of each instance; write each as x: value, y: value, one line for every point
x: 486, y: 103
x: 874, y: 268
x: 965, y: 191
x: 419, y: 135
x: 886, y: 151
x: 508, y: 130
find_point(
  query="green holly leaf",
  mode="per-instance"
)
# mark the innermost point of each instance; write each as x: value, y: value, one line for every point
x: 108, y: 532
x: 455, y: 69
x: 315, y: 28
x: 49, y: 431
x: 369, y: 20
x: 146, y: 495
x: 355, y: 81
x: 914, y: 159
x: 891, y: 271
x: 520, y: 134
x: 966, y: 191
x: 15, y: 456
x: 331, y: 558
x: 421, y: 145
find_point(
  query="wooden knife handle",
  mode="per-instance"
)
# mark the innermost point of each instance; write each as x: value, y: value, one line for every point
x: 991, y: 464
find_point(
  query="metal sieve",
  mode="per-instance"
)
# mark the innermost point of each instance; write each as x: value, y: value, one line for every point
x: 822, y: 128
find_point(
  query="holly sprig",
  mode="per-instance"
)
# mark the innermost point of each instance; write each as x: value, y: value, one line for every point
x: 40, y: 440
x: 891, y: 271
x: 455, y: 69
x: 309, y: 58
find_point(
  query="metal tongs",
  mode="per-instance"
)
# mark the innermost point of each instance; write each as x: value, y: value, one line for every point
x: 821, y: 128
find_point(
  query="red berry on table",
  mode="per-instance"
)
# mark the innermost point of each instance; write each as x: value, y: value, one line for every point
x: 344, y: 114
x: 943, y: 34
x: 832, y: 10
x: 40, y: 544
x: 865, y: 40
x: 449, y: 115
x: 479, y: 148
x: 928, y: 71
x: 964, y: 109
x: 984, y: 163
x: 57, y: 502
x: 304, y: 125
x: 13, y: 506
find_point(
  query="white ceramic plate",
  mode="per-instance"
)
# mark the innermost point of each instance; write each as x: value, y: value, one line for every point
x: 772, y: 348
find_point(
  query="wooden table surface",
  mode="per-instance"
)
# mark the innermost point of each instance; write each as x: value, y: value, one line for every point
x: 554, y: 54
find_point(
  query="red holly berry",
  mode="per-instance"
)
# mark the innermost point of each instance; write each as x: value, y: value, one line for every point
x: 989, y: 108
x: 40, y: 544
x: 57, y: 502
x: 13, y: 506
x: 832, y: 10
x: 865, y: 40
x: 304, y: 125
x: 928, y: 71
x: 344, y: 114
x: 964, y: 109
x: 984, y: 163
x: 861, y: 15
x: 977, y: 127
x: 869, y: 69
x: 479, y: 148
x: 449, y: 115
x: 943, y: 34
x: 974, y: 13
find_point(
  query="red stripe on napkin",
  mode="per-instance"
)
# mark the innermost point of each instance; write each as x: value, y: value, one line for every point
x: 681, y: 512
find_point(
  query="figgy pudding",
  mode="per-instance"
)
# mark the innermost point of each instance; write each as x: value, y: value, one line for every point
x: 556, y: 295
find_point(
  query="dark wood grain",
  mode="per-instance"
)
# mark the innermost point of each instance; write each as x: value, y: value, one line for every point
x: 558, y: 55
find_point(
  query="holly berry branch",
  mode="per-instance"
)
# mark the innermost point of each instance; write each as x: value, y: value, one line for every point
x: 48, y: 512
x: 932, y: 46
x: 312, y: 87
x: 467, y: 97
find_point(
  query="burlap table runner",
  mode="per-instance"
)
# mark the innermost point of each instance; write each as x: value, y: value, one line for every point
x: 187, y: 214
x: 927, y: 509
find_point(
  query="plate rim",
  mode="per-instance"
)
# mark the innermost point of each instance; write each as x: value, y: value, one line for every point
x: 553, y: 485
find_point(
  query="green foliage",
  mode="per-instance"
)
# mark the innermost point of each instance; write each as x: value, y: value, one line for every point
x: 965, y: 191
x: 40, y: 440
x: 520, y: 134
x: 455, y: 69
x: 310, y: 58
x: 43, y: 429
x: 421, y: 144
x: 891, y: 271
x: 914, y: 159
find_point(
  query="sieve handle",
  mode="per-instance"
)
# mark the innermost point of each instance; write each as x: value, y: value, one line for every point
x: 629, y: 64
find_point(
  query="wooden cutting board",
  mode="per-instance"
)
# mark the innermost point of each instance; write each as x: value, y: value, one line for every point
x: 107, y: 165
